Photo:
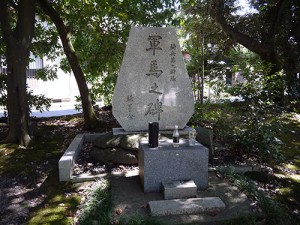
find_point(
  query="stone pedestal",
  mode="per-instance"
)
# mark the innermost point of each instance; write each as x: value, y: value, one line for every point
x: 166, y: 163
x: 179, y: 189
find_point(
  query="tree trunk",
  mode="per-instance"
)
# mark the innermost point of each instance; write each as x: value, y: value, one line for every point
x: 90, y: 118
x: 18, y: 42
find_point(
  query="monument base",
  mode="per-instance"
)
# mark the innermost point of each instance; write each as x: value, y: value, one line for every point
x: 167, y: 163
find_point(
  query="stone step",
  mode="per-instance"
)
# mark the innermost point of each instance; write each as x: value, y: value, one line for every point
x: 186, y: 206
x: 179, y: 189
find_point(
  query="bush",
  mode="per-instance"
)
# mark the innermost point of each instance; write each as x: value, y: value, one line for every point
x: 255, y: 134
x: 248, y: 128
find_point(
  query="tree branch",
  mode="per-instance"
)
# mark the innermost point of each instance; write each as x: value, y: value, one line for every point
x: 278, y: 10
x: 253, y: 45
x: 88, y: 112
x: 5, y: 27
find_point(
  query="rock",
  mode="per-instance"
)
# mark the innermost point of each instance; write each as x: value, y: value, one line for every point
x: 131, y: 142
x: 114, y: 155
x: 108, y: 140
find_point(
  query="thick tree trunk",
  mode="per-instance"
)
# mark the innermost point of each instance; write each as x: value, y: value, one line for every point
x: 17, y: 106
x: 90, y: 117
x: 18, y: 42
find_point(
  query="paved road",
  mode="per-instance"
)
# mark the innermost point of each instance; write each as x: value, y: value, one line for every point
x: 56, y: 109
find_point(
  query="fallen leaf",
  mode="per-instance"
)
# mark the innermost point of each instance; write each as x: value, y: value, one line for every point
x: 119, y: 211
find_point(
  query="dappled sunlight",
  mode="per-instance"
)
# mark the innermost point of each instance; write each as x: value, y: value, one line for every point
x: 33, y: 185
x: 51, y: 215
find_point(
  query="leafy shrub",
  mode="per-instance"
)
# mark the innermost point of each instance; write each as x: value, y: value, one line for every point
x: 255, y: 134
x: 247, y: 128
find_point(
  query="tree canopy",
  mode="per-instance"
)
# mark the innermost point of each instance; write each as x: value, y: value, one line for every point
x: 269, y: 28
x: 93, y: 44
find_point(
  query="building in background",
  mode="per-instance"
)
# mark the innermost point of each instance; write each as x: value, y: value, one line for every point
x: 62, y: 89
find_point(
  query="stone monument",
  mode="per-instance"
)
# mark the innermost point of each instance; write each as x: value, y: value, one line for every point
x: 153, y: 84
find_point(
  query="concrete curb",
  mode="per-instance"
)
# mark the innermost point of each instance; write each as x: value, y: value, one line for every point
x: 67, y: 161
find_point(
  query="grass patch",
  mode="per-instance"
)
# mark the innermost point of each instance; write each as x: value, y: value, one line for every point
x: 97, y: 208
x: 46, y: 146
x: 61, y: 200
x: 273, y: 212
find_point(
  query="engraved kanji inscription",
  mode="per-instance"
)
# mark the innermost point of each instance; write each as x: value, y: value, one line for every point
x: 154, y: 71
x: 129, y: 100
x: 173, y: 62
x: 154, y: 42
x: 154, y: 108
x: 173, y: 46
x: 173, y: 78
x: 153, y: 89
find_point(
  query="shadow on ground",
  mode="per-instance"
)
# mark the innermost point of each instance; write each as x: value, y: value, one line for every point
x: 130, y: 200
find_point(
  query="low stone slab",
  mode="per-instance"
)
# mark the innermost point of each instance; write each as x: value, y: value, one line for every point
x: 179, y: 189
x: 212, y: 205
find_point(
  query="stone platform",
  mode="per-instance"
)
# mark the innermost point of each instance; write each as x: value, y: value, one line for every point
x: 212, y: 205
x: 167, y: 163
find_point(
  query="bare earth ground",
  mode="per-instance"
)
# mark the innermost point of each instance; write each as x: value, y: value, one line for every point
x: 130, y: 200
x: 19, y: 194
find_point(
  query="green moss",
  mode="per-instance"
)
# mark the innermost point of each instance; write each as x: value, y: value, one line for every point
x: 57, y: 208
x: 285, y: 191
x: 50, y: 215
x: 291, y: 166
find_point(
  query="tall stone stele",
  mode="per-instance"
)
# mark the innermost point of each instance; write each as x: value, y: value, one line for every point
x: 153, y: 84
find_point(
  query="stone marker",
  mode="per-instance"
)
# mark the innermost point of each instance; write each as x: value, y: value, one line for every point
x: 153, y: 84
x: 186, y: 206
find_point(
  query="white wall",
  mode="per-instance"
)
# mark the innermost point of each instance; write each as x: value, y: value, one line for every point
x: 64, y: 87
